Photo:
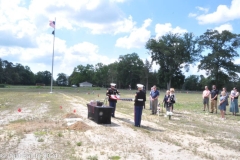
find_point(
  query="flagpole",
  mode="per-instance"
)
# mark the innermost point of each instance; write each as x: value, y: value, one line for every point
x: 53, y: 55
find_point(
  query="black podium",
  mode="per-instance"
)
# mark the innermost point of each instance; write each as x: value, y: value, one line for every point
x: 101, y: 115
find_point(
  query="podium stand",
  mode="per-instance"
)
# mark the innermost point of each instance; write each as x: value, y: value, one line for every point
x: 101, y: 115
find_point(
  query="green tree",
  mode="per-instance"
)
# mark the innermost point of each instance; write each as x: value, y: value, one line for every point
x: 192, y: 83
x: 101, y: 74
x: 81, y: 74
x: 223, y: 49
x: 62, y: 79
x: 112, y: 74
x: 173, y: 52
x: 130, y: 69
x: 43, y: 77
x: 146, y: 70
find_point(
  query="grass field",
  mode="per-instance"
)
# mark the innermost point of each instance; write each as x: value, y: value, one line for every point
x: 40, y: 127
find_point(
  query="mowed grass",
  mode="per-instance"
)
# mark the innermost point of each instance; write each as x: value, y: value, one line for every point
x: 188, y: 119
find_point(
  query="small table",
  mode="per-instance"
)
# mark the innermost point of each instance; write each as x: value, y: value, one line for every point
x: 101, y: 115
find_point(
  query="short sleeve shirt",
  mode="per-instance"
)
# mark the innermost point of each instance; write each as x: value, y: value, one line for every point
x: 214, y: 92
x: 154, y: 94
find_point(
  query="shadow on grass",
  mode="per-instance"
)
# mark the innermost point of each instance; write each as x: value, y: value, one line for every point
x: 142, y: 127
x: 111, y: 125
x: 151, y: 129
x: 127, y: 120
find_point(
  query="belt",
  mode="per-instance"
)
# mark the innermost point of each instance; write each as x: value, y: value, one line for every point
x: 139, y: 99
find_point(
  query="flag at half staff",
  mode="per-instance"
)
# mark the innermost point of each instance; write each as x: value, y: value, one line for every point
x: 52, y: 24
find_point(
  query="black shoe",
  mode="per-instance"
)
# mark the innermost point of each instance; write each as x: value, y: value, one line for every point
x: 210, y: 112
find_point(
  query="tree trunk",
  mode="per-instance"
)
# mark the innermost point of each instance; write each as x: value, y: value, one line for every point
x: 146, y: 85
x: 169, y: 84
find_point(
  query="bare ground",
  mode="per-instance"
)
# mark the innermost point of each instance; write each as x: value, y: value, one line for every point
x: 31, y: 134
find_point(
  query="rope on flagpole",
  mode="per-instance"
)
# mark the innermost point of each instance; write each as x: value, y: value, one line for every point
x: 54, y: 32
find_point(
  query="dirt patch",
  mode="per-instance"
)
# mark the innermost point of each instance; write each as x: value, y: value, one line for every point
x: 80, y: 126
x: 72, y: 115
x: 28, y: 127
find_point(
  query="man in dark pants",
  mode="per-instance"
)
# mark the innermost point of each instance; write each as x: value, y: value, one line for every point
x: 144, y: 90
x: 140, y: 98
x: 214, y: 95
x: 112, y: 102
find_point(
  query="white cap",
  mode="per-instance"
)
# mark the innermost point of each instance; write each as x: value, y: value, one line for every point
x: 139, y: 85
x: 113, y: 84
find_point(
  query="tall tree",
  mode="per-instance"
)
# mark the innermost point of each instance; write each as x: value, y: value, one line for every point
x: 101, y: 74
x: 146, y: 69
x: 223, y: 49
x: 173, y: 52
x: 130, y: 69
x: 62, y: 79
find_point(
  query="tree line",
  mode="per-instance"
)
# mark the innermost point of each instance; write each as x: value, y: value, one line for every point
x: 17, y: 74
x: 214, y: 52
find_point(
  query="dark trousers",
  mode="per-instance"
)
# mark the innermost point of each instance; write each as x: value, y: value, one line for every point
x: 138, y: 115
x: 113, y: 104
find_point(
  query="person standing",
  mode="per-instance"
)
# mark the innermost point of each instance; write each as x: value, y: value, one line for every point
x: 214, y: 95
x: 234, y: 102
x: 150, y: 101
x: 139, y: 101
x: 227, y: 97
x: 205, y: 97
x: 171, y: 100
x: 112, y: 102
x: 165, y: 100
x: 154, y: 99
x: 222, y: 104
x: 144, y: 90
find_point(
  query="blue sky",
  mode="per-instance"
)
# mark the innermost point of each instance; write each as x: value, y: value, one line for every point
x: 93, y: 31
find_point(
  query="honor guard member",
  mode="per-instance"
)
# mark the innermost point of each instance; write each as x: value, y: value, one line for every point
x: 112, y: 102
x: 140, y: 99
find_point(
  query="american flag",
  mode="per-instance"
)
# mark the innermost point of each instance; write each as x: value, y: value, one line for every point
x: 52, y: 24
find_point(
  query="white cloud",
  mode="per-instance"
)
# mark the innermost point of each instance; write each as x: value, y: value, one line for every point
x: 65, y: 58
x: 202, y: 9
x: 137, y: 38
x: 100, y: 17
x: 192, y: 15
x: 23, y: 27
x: 194, y: 70
x: 119, y: 1
x: 223, y: 27
x: 162, y: 29
x: 222, y: 14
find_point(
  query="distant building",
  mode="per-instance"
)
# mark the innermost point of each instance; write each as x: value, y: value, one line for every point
x: 85, y: 84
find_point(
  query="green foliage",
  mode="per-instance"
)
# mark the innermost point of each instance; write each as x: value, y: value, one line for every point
x: 115, y: 157
x: 62, y: 79
x: 173, y: 52
x: 219, y: 62
x: 92, y: 157
x: 79, y: 143
x: 2, y: 86
x: 130, y: 68
x: 40, y: 140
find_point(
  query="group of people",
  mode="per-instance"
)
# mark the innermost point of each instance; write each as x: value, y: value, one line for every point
x: 139, y: 101
x: 223, y: 100
x: 168, y: 100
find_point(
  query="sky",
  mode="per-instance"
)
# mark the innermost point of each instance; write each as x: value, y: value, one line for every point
x: 99, y: 31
